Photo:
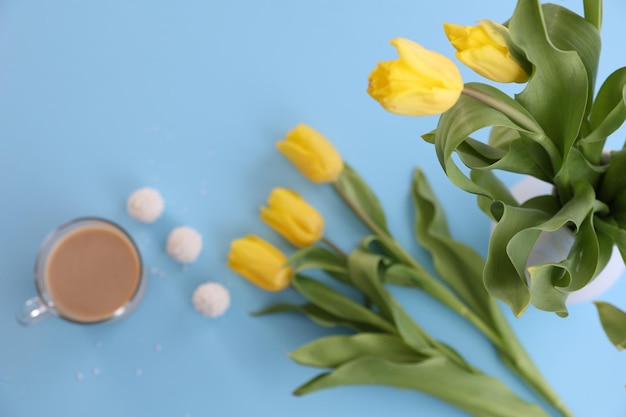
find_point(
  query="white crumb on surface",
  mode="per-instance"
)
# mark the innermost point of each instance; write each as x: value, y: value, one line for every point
x: 145, y: 205
x: 211, y: 299
x: 184, y: 244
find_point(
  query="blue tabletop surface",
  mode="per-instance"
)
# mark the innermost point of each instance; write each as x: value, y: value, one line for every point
x: 99, y: 98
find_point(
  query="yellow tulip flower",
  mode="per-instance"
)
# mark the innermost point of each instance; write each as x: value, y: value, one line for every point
x: 484, y: 49
x: 312, y: 154
x: 260, y: 263
x: 419, y: 83
x: 292, y: 217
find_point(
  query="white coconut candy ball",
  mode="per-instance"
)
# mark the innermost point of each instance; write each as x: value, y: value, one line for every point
x: 211, y: 299
x: 145, y: 205
x: 184, y: 244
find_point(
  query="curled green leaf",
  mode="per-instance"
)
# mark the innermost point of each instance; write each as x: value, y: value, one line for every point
x: 556, y: 95
x: 568, y: 31
x: 607, y: 114
x: 521, y: 155
x: 483, y: 106
x: 495, y: 187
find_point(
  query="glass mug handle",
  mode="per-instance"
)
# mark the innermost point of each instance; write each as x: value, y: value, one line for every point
x: 33, y: 311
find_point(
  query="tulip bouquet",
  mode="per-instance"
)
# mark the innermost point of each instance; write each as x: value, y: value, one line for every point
x: 555, y: 130
x: 388, y: 346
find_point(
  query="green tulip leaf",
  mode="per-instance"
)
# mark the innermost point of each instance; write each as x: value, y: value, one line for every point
x: 391, y: 250
x: 551, y: 283
x: 477, y: 154
x: 500, y: 137
x: 576, y: 169
x: 366, y: 270
x: 366, y: 273
x: 483, y: 106
x: 523, y: 156
x: 613, y: 322
x: 546, y: 291
x: 568, y: 31
x: 612, y: 190
x: 406, y: 276
x: 339, y: 305
x: 317, y: 257
x: 596, y: 248
x: 616, y: 233
x: 360, y: 196
x: 504, y: 275
x: 333, y: 351
x: 429, y: 137
x: 618, y: 209
x: 475, y: 393
x: 495, y: 187
x: 574, y: 212
x: 555, y: 94
x: 608, y: 112
x: 514, y: 237
x: 317, y: 315
x: 460, y: 266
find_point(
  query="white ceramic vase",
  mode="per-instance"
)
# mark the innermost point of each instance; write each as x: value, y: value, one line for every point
x: 555, y: 246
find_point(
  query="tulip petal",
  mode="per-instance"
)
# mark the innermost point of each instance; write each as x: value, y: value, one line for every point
x: 489, y: 29
x: 293, y: 218
x: 457, y: 35
x: 419, y: 83
x: 259, y: 262
x: 430, y: 65
x: 484, y: 49
x: 489, y: 62
x: 312, y: 154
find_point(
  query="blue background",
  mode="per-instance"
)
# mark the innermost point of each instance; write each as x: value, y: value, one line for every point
x: 99, y: 98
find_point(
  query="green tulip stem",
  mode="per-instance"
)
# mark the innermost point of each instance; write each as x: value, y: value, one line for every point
x: 502, y: 336
x: 435, y: 288
x: 334, y: 247
x: 364, y: 217
x: 512, y: 113
x: 517, y: 358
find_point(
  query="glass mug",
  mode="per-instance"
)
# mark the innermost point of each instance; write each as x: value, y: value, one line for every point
x: 87, y: 271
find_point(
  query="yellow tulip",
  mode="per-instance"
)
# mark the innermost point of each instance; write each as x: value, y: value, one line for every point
x: 259, y: 262
x: 419, y: 83
x: 312, y: 154
x: 484, y: 49
x: 292, y: 217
